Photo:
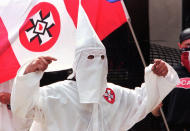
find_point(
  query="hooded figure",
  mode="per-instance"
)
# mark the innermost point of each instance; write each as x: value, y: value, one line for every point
x: 89, y: 103
x: 90, y: 64
x: 90, y: 67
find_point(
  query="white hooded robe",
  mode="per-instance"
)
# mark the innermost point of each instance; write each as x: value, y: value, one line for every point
x: 56, y: 107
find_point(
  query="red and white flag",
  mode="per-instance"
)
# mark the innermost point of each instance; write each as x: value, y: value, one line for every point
x: 31, y: 28
x: 104, y: 16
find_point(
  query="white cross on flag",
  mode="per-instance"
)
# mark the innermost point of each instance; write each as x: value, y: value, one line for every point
x: 32, y: 28
x: 41, y: 27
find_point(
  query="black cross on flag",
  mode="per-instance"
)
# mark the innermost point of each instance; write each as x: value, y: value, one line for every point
x: 40, y: 27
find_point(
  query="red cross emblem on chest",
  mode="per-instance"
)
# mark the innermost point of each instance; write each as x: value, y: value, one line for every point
x: 109, y: 95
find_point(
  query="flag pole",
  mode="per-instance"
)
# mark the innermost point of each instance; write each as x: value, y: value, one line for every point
x: 164, y: 119
x: 140, y: 53
x: 133, y: 33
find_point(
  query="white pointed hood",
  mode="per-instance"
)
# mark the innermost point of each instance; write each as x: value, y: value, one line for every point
x: 90, y: 66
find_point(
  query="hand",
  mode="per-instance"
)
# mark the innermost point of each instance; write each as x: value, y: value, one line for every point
x: 156, y: 112
x: 160, y: 68
x: 5, y: 97
x: 39, y: 64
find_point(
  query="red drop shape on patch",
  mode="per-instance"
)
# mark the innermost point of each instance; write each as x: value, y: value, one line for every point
x: 40, y: 27
x: 109, y: 95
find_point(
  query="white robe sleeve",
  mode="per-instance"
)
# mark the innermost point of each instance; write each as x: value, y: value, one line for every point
x: 8, y: 122
x: 136, y: 104
x: 25, y: 94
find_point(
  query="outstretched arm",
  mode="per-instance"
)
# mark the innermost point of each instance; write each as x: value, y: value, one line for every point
x: 39, y: 64
x: 159, y: 68
x: 160, y: 79
x: 26, y: 92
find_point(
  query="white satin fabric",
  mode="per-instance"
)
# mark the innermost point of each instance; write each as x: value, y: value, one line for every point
x: 57, y: 107
x: 7, y: 121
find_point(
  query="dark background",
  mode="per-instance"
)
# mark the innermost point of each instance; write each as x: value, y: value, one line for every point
x: 186, y: 14
x: 125, y: 65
